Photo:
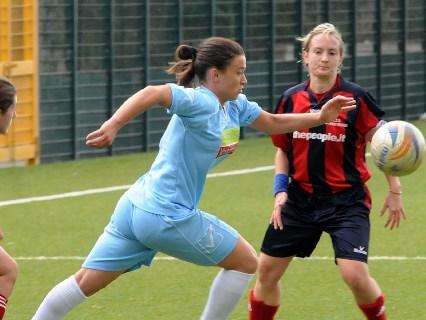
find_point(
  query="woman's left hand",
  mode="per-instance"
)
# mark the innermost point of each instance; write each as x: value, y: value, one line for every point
x: 330, y: 111
x: 393, y: 204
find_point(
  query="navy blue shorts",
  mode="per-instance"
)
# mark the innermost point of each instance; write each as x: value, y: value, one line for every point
x: 344, y: 216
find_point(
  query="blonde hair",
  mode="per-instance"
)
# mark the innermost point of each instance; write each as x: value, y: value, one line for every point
x: 325, y: 29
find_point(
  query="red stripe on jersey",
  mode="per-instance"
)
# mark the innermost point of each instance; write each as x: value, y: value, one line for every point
x: 334, y: 157
x: 361, y: 163
x: 334, y: 151
x: 300, y: 151
x: 366, y: 119
x: 301, y: 104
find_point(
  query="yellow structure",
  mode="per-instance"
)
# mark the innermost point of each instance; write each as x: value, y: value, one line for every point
x: 18, y: 62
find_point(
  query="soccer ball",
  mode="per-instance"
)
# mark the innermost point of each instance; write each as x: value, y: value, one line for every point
x: 398, y: 148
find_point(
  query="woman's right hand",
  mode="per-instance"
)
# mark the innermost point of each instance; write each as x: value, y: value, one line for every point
x: 104, y: 136
x: 276, y: 220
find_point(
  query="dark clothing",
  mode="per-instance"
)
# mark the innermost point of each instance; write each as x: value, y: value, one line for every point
x: 344, y: 216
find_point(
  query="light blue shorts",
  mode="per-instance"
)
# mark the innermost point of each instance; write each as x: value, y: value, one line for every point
x: 133, y: 237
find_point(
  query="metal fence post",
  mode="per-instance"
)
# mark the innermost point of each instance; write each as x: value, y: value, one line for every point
x: 298, y: 46
x: 403, y: 48
x: 326, y: 15
x: 110, y: 83
x: 272, y: 57
x: 180, y: 22
x: 354, y: 41
x: 243, y: 23
x: 74, y: 78
x: 378, y: 49
x: 147, y: 75
x: 212, y: 17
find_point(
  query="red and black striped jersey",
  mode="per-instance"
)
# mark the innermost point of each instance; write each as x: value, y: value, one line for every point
x: 331, y: 157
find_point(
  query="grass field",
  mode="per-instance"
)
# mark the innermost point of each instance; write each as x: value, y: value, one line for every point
x: 170, y: 289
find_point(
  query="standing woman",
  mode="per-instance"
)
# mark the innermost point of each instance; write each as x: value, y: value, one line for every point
x: 327, y: 171
x: 8, y: 266
x: 159, y: 212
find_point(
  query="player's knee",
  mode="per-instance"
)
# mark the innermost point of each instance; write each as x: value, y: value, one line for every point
x: 249, y: 261
x: 268, y: 274
x: 355, y: 280
x: 84, y: 282
x: 250, y: 264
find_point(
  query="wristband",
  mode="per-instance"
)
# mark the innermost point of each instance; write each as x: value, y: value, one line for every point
x: 394, y: 192
x: 280, y: 183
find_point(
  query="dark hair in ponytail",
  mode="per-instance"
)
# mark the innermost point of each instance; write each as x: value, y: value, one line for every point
x: 7, y: 94
x: 215, y: 52
x: 183, y: 67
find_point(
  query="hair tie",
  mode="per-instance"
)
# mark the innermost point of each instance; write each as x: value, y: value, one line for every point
x: 193, y: 52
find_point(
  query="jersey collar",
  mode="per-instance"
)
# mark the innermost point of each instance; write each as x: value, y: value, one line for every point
x: 327, y: 95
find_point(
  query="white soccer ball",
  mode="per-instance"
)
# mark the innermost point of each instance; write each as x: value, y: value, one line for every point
x: 398, y: 148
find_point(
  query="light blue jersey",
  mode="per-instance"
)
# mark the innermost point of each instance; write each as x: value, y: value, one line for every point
x: 159, y: 212
x: 201, y: 133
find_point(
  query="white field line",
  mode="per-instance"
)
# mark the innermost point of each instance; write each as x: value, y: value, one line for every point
x: 123, y: 187
x: 116, y: 188
x: 81, y: 258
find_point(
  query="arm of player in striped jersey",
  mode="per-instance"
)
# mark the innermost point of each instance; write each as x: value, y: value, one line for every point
x: 281, y: 166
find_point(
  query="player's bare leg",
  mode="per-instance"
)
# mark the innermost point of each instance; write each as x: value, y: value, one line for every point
x: 264, y: 299
x: 73, y: 291
x: 365, y: 289
x: 270, y: 271
x: 243, y: 258
x: 231, y: 282
x: 8, y: 275
x: 91, y: 281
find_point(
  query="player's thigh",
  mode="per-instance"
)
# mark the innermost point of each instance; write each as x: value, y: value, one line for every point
x: 243, y: 258
x: 7, y: 263
x: 198, y: 237
x: 118, y: 249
